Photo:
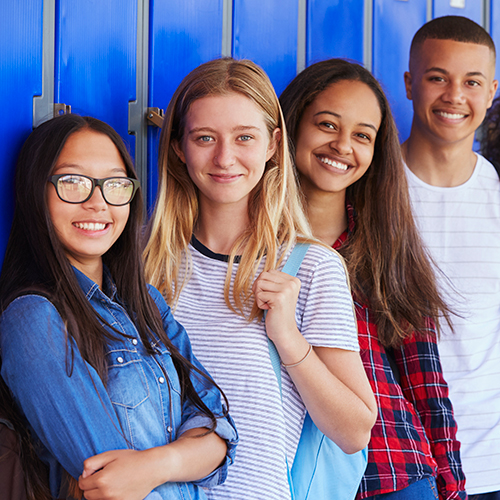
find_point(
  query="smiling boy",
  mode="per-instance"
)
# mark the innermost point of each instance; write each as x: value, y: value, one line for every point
x: 455, y: 195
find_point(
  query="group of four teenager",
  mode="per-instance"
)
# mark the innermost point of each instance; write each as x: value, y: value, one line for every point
x: 111, y: 388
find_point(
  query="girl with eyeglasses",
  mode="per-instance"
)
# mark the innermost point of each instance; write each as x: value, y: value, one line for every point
x: 347, y: 156
x: 225, y: 222
x: 94, y: 361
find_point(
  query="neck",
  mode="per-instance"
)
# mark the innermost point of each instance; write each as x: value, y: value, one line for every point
x: 219, y: 227
x: 327, y: 214
x: 441, y: 165
x: 92, y: 270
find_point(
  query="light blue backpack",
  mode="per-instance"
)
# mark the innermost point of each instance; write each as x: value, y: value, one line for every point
x: 321, y: 470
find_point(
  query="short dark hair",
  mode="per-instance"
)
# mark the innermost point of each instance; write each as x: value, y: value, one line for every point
x: 456, y: 28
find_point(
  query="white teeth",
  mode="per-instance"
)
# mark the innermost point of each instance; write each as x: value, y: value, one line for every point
x: 336, y: 164
x: 451, y: 116
x: 90, y: 226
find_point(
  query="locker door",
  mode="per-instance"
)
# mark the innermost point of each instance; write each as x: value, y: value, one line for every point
x: 95, y: 63
x: 183, y: 34
x: 473, y: 9
x: 335, y: 29
x: 394, y: 24
x: 494, y: 30
x: 265, y: 31
x: 21, y: 70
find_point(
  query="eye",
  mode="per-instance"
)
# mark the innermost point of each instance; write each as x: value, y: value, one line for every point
x: 473, y: 83
x: 364, y: 137
x: 205, y: 138
x: 245, y: 138
x: 328, y: 125
x: 436, y: 79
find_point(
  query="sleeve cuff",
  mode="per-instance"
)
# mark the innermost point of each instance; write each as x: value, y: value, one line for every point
x: 227, y: 431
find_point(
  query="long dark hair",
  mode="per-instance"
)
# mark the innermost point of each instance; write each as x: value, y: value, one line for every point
x: 388, y: 266
x: 35, y: 261
x: 490, y: 140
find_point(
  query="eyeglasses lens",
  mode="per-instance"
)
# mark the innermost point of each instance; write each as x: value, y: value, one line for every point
x: 74, y: 188
x: 118, y: 191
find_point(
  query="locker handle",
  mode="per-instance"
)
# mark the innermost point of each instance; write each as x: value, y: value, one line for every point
x: 155, y: 117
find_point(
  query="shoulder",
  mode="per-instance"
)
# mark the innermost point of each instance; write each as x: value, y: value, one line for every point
x: 30, y: 319
x: 321, y: 260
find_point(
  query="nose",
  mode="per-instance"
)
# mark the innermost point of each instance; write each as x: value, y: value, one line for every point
x: 224, y: 156
x: 342, y: 143
x: 96, y: 201
x: 453, y: 93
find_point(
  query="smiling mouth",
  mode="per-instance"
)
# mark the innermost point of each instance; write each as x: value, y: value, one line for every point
x: 90, y: 226
x: 451, y: 116
x: 332, y: 163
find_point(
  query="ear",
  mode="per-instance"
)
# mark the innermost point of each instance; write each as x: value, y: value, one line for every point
x: 178, y: 151
x: 493, y: 91
x: 408, y: 84
x: 273, y: 143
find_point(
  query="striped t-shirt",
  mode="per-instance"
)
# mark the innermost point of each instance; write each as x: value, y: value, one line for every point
x: 461, y: 228
x: 236, y: 354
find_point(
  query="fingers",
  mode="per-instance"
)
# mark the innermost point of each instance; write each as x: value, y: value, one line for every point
x: 274, y: 289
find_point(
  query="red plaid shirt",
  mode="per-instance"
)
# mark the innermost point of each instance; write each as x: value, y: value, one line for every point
x: 415, y: 432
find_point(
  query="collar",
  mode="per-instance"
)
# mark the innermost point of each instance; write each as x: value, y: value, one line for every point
x: 197, y: 245
x: 90, y: 288
x: 351, y: 215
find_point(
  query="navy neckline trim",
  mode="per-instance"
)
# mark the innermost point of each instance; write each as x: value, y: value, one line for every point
x: 208, y: 253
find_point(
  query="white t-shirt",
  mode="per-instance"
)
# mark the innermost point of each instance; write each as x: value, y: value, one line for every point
x: 461, y: 228
x: 236, y: 354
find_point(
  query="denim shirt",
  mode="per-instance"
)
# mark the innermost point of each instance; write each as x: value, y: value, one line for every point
x: 75, y: 416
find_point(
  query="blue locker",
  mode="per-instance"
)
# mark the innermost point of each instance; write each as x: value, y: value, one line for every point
x: 335, y: 29
x: 394, y: 24
x: 473, y: 9
x: 95, y: 63
x: 494, y: 29
x: 183, y: 34
x: 266, y: 33
x: 21, y: 70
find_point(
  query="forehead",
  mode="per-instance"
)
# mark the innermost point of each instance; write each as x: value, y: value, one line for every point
x: 88, y: 150
x: 453, y: 57
x: 348, y: 98
x: 219, y: 109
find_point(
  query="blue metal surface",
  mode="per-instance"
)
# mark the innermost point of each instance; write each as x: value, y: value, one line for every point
x: 183, y: 34
x: 494, y: 30
x: 473, y: 9
x: 266, y: 33
x: 334, y: 29
x: 96, y: 59
x: 21, y: 70
x: 394, y: 24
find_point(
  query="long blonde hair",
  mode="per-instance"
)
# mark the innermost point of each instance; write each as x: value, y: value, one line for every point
x: 275, y: 212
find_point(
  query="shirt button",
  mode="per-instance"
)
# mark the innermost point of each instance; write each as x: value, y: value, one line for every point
x: 134, y: 341
x: 120, y: 360
x: 169, y: 429
x: 161, y: 380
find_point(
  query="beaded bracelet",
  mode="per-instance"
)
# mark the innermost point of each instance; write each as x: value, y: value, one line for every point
x: 301, y: 361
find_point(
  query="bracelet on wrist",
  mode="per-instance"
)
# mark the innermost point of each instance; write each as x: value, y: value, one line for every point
x: 301, y: 361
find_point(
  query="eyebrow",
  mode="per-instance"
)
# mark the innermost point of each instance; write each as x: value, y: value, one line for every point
x: 444, y: 72
x: 239, y: 128
x: 361, y: 124
x: 76, y: 166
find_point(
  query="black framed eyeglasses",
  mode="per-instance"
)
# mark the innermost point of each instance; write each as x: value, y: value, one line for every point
x: 73, y: 188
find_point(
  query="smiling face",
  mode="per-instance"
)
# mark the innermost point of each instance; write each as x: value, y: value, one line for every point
x: 225, y: 147
x: 87, y: 230
x: 336, y: 137
x: 451, y: 85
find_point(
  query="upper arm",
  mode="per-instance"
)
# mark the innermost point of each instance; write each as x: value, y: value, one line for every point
x: 60, y: 394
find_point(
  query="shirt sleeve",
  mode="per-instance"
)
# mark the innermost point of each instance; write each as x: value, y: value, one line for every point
x: 193, y: 417
x: 325, y: 311
x: 61, y: 395
x: 424, y: 386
